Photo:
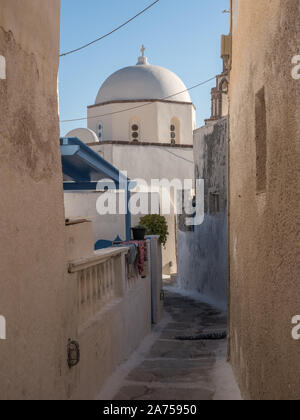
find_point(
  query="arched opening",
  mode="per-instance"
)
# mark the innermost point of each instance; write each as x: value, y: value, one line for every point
x: 175, y: 131
x: 224, y: 86
x: 100, y: 131
x: 134, y: 130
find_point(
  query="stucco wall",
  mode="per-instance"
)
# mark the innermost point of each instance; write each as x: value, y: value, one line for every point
x: 84, y: 205
x: 202, y: 254
x: 264, y: 236
x: 154, y: 120
x: 109, y: 336
x: 150, y: 162
x: 32, y: 258
x: 108, y: 227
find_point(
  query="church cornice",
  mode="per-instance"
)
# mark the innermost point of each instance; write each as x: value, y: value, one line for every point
x: 127, y: 101
x: 140, y: 143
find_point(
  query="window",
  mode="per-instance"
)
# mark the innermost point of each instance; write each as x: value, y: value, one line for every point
x: 100, y: 132
x: 174, y: 131
x: 261, y: 141
x: 134, y: 130
x: 224, y: 86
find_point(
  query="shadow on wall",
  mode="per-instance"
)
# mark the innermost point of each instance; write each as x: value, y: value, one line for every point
x: 202, y: 254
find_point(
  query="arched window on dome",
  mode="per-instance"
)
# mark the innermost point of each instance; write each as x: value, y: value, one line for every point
x: 134, y: 130
x: 100, y: 131
x: 175, y: 131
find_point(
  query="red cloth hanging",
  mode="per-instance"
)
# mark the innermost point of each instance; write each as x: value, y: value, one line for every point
x: 142, y: 254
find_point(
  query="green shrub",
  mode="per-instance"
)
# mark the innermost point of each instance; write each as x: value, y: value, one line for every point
x: 156, y: 225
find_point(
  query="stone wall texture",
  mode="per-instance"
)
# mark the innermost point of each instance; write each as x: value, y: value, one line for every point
x: 264, y: 213
x: 32, y: 259
x: 202, y: 254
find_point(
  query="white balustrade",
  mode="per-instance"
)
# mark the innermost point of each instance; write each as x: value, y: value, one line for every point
x: 104, y: 278
x: 100, y: 281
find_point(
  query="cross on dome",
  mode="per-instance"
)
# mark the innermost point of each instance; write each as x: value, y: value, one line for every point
x: 142, y: 59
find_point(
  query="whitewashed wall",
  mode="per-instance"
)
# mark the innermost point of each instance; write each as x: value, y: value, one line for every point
x: 155, y: 119
x: 84, y: 205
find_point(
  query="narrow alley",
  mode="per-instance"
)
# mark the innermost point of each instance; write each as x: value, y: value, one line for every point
x: 165, y: 368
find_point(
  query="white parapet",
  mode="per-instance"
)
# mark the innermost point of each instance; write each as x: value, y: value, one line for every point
x: 100, y: 281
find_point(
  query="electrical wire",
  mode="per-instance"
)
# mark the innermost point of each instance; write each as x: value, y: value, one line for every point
x: 139, y: 106
x: 111, y: 32
x: 174, y: 154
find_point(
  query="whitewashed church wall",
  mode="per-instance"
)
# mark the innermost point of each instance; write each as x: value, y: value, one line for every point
x: 154, y: 121
x: 150, y: 162
x: 186, y: 116
x: 117, y: 126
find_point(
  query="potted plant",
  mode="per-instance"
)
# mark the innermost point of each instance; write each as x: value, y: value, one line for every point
x: 156, y: 225
x: 139, y: 233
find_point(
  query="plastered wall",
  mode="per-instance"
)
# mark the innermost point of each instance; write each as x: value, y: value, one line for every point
x: 154, y: 120
x: 32, y: 259
x: 202, y: 254
x: 264, y: 229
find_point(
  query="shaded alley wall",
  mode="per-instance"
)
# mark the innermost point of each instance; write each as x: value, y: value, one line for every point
x: 264, y: 198
x: 202, y: 254
x: 32, y: 256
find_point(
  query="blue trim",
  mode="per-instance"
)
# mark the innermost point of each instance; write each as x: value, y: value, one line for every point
x: 86, y: 168
x: 102, y: 244
x: 83, y: 157
x: 80, y: 186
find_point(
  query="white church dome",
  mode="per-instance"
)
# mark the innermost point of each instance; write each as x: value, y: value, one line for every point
x: 84, y: 134
x: 143, y: 81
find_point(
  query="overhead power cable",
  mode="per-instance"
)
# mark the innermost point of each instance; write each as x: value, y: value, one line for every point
x: 111, y: 32
x: 174, y: 154
x: 139, y: 106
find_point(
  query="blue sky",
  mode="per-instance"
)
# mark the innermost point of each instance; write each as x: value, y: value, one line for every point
x: 182, y: 35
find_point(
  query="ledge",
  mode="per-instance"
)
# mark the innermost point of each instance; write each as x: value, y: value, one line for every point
x: 128, y: 101
x: 142, y: 143
x: 98, y: 258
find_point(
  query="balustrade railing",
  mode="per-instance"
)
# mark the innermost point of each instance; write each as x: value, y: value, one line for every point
x: 103, y: 278
x: 100, y: 281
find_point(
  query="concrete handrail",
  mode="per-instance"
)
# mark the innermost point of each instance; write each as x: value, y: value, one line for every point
x: 99, y: 257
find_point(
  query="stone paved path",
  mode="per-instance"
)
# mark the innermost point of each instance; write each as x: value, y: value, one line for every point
x: 182, y: 370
